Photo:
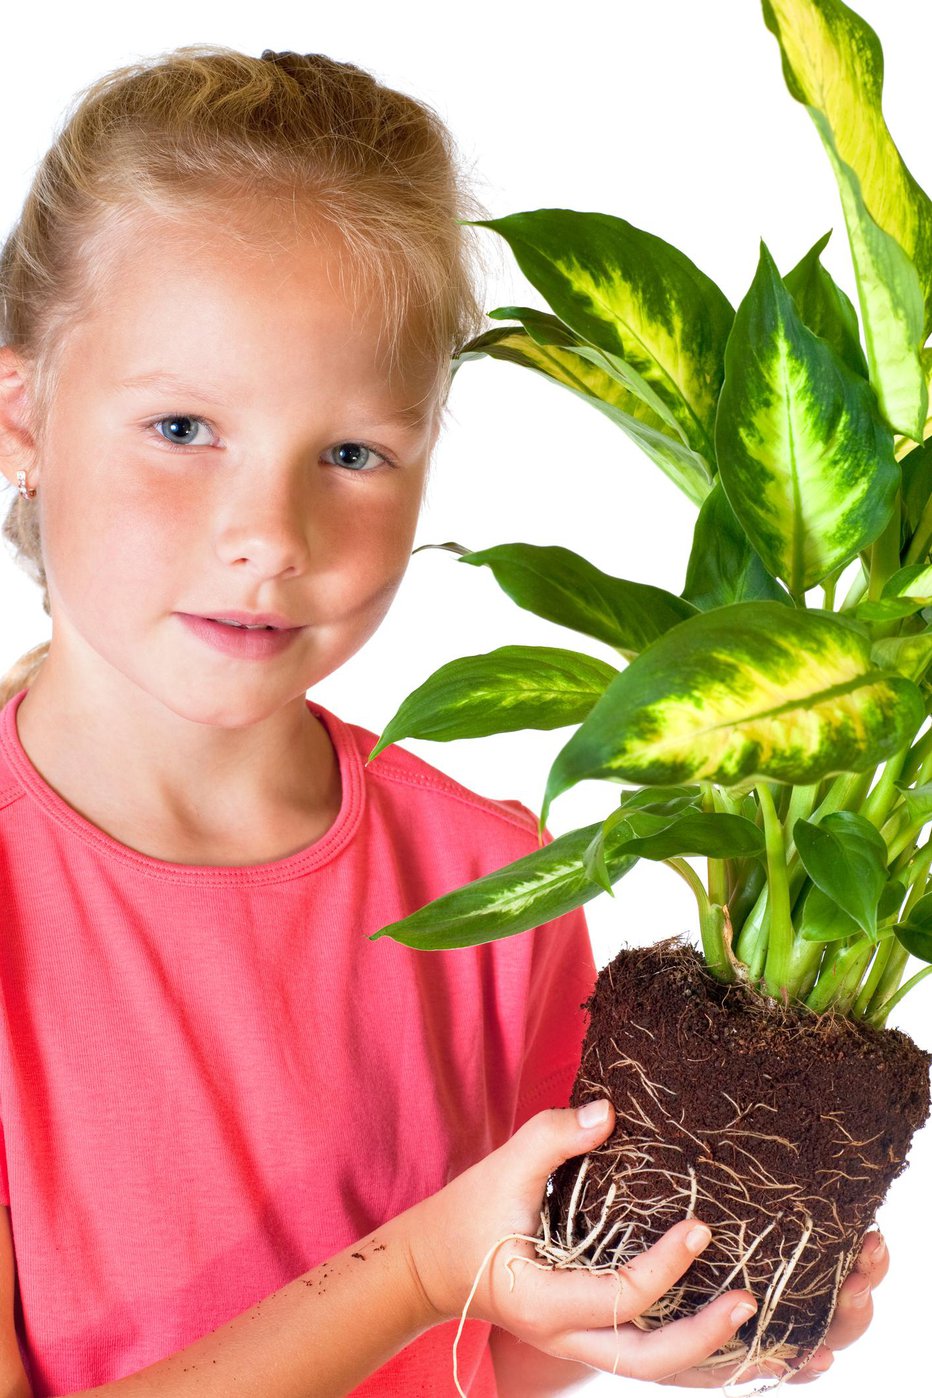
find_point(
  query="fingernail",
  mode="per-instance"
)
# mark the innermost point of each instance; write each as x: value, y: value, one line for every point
x: 859, y: 1297
x: 822, y: 1364
x: 593, y: 1113
x: 880, y: 1248
x: 743, y: 1311
x: 697, y: 1237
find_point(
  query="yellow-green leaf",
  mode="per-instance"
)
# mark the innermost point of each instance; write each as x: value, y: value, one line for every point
x: 750, y: 691
x: 806, y: 463
x: 635, y: 296
x: 833, y: 64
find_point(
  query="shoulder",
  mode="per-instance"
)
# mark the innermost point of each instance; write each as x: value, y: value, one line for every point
x: 404, y: 781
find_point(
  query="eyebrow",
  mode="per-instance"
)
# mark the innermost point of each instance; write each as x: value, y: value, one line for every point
x: 410, y: 416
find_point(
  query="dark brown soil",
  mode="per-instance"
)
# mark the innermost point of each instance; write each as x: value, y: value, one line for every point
x: 751, y: 1115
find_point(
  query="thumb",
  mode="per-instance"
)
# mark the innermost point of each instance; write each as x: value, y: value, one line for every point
x: 552, y: 1136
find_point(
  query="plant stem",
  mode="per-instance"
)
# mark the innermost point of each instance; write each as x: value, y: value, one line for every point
x: 856, y: 591
x: 859, y: 1009
x: 717, y: 868
x: 919, y: 543
x: 841, y: 975
x: 889, y: 980
x: 879, y: 1018
x: 780, y: 930
x: 885, y: 552
x: 877, y: 806
x: 711, y: 923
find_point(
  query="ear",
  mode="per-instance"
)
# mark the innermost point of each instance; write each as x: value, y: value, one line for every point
x: 17, y: 444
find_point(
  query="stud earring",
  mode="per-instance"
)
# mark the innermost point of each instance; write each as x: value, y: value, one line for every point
x: 24, y: 490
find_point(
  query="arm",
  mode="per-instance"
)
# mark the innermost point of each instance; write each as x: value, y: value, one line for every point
x: 523, y: 1371
x: 317, y: 1337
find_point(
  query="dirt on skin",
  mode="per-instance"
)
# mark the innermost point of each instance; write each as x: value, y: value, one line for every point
x: 780, y: 1129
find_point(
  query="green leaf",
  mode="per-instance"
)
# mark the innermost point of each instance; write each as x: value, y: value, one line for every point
x: 916, y: 467
x: 526, y: 893
x: 559, y: 585
x: 917, y: 800
x: 915, y: 933
x: 913, y: 581
x: 846, y: 856
x: 887, y: 609
x: 833, y: 64
x: 551, y: 349
x: 662, y: 800
x: 825, y: 309
x: 822, y: 920
x: 908, y: 655
x: 806, y: 463
x: 512, y: 687
x: 650, y: 836
x: 750, y: 691
x: 723, y: 567
x: 635, y: 296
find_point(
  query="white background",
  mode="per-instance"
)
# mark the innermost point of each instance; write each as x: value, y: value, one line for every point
x: 673, y: 115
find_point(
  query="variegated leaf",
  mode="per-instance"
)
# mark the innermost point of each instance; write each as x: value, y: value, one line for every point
x: 595, y: 378
x: 635, y: 296
x: 527, y: 893
x: 805, y: 461
x: 824, y: 307
x: 512, y: 687
x: 833, y: 64
x: 750, y: 691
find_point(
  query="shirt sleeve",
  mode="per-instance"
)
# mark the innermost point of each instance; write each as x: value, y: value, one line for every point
x: 562, y: 977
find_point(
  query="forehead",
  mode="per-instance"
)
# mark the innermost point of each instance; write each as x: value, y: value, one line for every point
x: 239, y: 295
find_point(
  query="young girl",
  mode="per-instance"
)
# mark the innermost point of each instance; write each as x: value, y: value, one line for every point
x: 246, y: 1150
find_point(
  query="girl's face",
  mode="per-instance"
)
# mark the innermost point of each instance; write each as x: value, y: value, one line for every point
x: 225, y: 438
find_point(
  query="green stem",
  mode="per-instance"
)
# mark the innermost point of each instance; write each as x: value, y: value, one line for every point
x: 890, y: 978
x: 878, y: 804
x: 878, y: 1019
x: 780, y: 930
x: 922, y: 538
x: 711, y: 923
x: 841, y: 975
x: 856, y: 591
x: 717, y: 868
x: 869, y: 987
x: 885, y: 552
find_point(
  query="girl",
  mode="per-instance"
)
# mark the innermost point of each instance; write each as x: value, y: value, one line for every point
x: 246, y: 1150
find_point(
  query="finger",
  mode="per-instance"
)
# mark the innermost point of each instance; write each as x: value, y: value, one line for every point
x: 855, y: 1307
x: 873, y: 1259
x: 818, y: 1364
x: 555, y: 1300
x: 671, y: 1350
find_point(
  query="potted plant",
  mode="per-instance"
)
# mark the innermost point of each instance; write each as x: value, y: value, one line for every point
x: 760, y: 721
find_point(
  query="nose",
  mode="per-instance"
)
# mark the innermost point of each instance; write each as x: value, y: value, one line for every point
x: 264, y: 520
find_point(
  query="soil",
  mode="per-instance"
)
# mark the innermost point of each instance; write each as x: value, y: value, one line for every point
x: 779, y: 1128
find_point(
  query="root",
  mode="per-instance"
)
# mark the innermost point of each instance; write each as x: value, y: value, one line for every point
x: 651, y: 1184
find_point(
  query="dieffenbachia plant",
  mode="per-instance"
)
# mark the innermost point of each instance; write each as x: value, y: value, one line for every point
x: 748, y: 724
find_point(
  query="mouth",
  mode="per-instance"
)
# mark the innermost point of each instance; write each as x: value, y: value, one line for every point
x: 244, y: 640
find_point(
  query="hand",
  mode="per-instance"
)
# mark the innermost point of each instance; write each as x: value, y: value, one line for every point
x: 852, y: 1316
x: 568, y: 1313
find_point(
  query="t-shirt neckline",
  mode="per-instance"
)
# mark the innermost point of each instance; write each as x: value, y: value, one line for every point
x: 303, y: 861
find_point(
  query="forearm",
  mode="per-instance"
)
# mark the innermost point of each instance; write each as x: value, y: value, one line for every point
x: 318, y: 1336
x: 523, y: 1371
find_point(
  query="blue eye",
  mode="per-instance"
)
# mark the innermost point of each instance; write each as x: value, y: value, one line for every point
x: 181, y: 428
x: 355, y: 456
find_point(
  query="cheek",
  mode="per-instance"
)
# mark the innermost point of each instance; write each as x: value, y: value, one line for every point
x: 102, y: 539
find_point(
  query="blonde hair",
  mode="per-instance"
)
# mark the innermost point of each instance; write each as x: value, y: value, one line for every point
x: 202, y: 125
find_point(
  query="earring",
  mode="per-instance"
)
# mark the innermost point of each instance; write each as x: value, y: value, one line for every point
x: 24, y: 490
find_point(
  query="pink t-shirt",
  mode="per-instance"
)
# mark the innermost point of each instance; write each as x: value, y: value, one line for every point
x: 211, y: 1081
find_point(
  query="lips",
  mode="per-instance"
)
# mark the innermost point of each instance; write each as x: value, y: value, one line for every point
x: 276, y: 619
x: 239, y: 642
